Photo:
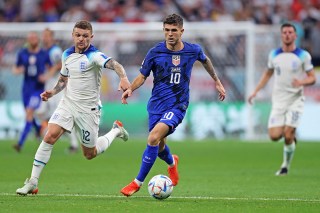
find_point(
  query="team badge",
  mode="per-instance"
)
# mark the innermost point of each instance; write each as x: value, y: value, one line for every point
x: 83, y: 66
x: 176, y: 60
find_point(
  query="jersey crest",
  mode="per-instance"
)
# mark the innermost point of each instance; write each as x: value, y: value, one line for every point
x: 176, y: 60
x: 83, y: 66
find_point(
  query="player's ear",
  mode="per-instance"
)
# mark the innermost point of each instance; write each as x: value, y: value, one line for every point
x: 92, y: 36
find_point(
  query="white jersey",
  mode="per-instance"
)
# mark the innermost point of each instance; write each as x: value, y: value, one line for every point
x: 287, y: 66
x: 84, y: 78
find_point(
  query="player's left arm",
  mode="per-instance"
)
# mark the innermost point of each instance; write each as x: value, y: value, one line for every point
x: 309, y: 80
x: 118, y: 68
x: 207, y: 64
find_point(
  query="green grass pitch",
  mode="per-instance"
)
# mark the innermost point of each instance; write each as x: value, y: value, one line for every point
x: 227, y: 176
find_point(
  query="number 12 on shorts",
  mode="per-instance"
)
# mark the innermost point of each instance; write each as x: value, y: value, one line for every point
x: 85, y: 136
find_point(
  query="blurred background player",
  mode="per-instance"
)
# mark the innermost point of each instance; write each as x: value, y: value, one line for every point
x: 171, y: 62
x: 80, y: 105
x: 32, y: 62
x: 47, y: 107
x: 292, y: 69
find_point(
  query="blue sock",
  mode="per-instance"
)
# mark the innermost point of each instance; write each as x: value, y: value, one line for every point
x: 166, y: 155
x: 148, y: 158
x: 25, y: 133
x: 37, y: 126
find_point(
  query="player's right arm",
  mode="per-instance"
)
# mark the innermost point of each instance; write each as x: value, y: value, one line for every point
x: 263, y: 81
x: 61, y: 84
x: 118, y: 68
x: 137, y: 82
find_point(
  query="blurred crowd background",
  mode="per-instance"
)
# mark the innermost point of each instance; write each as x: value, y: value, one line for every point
x: 304, y: 13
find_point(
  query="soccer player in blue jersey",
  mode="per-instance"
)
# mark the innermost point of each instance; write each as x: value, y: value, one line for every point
x: 32, y: 62
x: 79, y: 109
x: 171, y: 62
x: 292, y: 70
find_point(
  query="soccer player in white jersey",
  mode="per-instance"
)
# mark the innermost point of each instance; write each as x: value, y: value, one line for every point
x: 292, y: 70
x: 80, y: 105
x: 48, y: 107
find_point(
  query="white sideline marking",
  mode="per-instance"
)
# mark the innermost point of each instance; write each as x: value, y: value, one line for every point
x: 174, y: 197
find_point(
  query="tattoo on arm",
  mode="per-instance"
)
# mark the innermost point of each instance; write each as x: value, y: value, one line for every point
x: 207, y: 64
x: 117, y: 67
x: 61, y: 84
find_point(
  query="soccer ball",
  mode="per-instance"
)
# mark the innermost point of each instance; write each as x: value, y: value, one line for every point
x: 160, y: 187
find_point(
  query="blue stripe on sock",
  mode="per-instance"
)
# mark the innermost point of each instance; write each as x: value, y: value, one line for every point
x: 40, y: 162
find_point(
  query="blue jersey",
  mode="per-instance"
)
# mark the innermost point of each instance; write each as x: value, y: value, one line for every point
x: 171, y: 72
x: 34, y: 65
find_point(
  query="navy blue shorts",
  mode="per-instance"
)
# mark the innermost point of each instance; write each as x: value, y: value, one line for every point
x: 171, y: 118
x: 32, y: 100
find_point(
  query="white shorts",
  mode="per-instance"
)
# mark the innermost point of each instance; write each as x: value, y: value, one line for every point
x: 86, y: 124
x: 287, y: 116
x: 47, y: 108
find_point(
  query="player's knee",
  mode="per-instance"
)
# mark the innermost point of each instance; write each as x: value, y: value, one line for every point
x: 288, y: 139
x: 51, y: 137
x: 153, y: 140
x: 275, y: 137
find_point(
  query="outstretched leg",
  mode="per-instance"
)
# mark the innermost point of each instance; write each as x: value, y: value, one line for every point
x: 41, y: 158
x: 148, y: 158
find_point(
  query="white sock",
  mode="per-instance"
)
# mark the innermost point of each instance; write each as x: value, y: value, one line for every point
x: 105, y: 141
x: 138, y: 182
x: 73, y: 139
x: 40, y: 160
x: 288, y: 151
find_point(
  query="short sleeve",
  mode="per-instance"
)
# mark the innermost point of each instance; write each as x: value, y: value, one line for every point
x: 64, y: 70
x: 101, y: 59
x: 270, y: 57
x: 307, y: 62
x: 147, y: 64
x: 201, y: 56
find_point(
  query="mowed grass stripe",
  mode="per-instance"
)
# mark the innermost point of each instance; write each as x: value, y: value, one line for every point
x: 173, y: 197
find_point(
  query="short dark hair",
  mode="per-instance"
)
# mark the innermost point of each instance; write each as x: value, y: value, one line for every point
x: 287, y: 24
x: 173, y: 19
x: 83, y: 24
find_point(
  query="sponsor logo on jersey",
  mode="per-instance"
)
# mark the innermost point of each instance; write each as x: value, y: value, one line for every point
x: 176, y: 60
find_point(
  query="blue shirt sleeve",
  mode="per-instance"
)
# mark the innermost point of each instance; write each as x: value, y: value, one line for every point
x: 147, y: 64
x: 201, y: 56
